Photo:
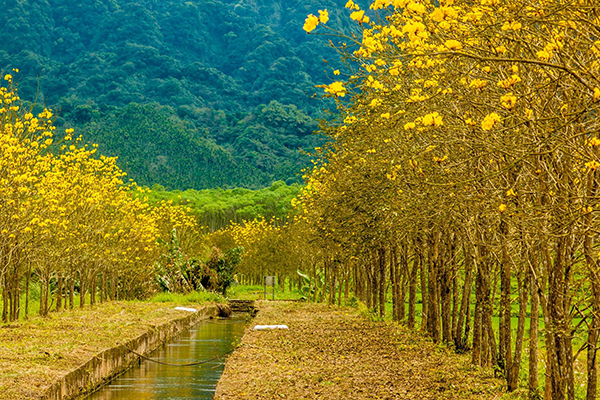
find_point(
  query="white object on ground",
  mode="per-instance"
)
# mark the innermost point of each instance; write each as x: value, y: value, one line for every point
x: 186, y: 309
x: 267, y: 327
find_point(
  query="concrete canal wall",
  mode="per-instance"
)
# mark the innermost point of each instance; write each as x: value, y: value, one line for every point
x: 108, y: 363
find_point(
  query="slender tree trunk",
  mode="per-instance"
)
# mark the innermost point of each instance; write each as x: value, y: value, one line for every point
x: 71, y: 292
x: 433, y: 320
x: 27, y: 284
x: 82, y: 290
x: 505, y: 356
x: 46, y: 295
x: 412, y: 291
x: 445, y: 288
x: 424, y: 295
x: 534, y: 323
x: 460, y: 340
x: 326, y: 272
x: 103, y: 286
x: 455, y: 295
x: 340, y: 287
x: 59, y: 290
x: 394, y: 282
x: 93, y: 289
x: 4, y: 299
x: 523, y: 284
x: 403, y: 276
x: 369, y: 284
x: 382, y: 282
x: 375, y: 284
x: 347, y: 286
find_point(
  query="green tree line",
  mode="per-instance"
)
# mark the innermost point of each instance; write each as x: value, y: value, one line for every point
x: 217, y: 208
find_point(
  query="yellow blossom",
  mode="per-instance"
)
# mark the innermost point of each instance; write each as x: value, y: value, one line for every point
x: 453, y: 44
x: 433, y: 119
x: 310, y: 23
x: 323, y: 16
x: 488, y: 122
x: 357, y: 15
x: 508, y: 100
x: 336, y: 88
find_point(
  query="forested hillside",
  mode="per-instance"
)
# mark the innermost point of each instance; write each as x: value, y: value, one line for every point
x: 188, y: 94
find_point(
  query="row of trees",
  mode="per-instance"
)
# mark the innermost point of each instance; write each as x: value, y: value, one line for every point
x: 465, y: 166
x: 69, y: 222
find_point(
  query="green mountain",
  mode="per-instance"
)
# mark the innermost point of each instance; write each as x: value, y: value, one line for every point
x: 199, y: 93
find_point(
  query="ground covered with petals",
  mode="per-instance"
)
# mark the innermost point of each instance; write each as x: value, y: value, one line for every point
x: 340, y: 353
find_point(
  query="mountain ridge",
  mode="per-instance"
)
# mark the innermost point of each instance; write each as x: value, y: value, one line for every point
x: 210, y: 67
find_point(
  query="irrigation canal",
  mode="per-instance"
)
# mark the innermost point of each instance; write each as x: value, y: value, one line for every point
x: 151, y: 380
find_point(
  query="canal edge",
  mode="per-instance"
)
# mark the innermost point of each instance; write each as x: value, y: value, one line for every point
x: 105, y: 365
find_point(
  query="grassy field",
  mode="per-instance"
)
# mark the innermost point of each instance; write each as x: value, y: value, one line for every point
x: 257, y: 292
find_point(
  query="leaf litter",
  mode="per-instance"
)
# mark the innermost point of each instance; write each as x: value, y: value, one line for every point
x: 339, y: 353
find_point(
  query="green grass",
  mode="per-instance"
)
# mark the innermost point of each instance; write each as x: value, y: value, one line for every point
x: 188, y: 298
x: 257, y: 292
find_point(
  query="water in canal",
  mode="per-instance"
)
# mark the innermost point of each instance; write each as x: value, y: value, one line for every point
x: 204, y: 341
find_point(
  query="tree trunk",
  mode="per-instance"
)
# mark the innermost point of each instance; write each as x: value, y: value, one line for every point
x: 433, y: 319
x: 394, y: 282
x: 412, y: 291
x: 460, y: 340
x: 82, y: 289
x: 59, y: 292
x: 27, y: 283
x: 382, y: 282
x: 93, y: 289
x: 534, y: 323
x: 401, y: 276
x: 424, y: 294
x: 523, y: 285
x: 4, y: 299
x: 505, y: 354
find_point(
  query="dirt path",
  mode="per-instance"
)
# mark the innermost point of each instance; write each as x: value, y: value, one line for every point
x: 337, y: 353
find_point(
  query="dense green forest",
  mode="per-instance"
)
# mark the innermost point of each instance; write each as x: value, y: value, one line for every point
x: 217, y: 207
x: 200, y: 94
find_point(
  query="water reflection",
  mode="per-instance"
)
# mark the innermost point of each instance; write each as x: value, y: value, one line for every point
x: 206, y: 340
